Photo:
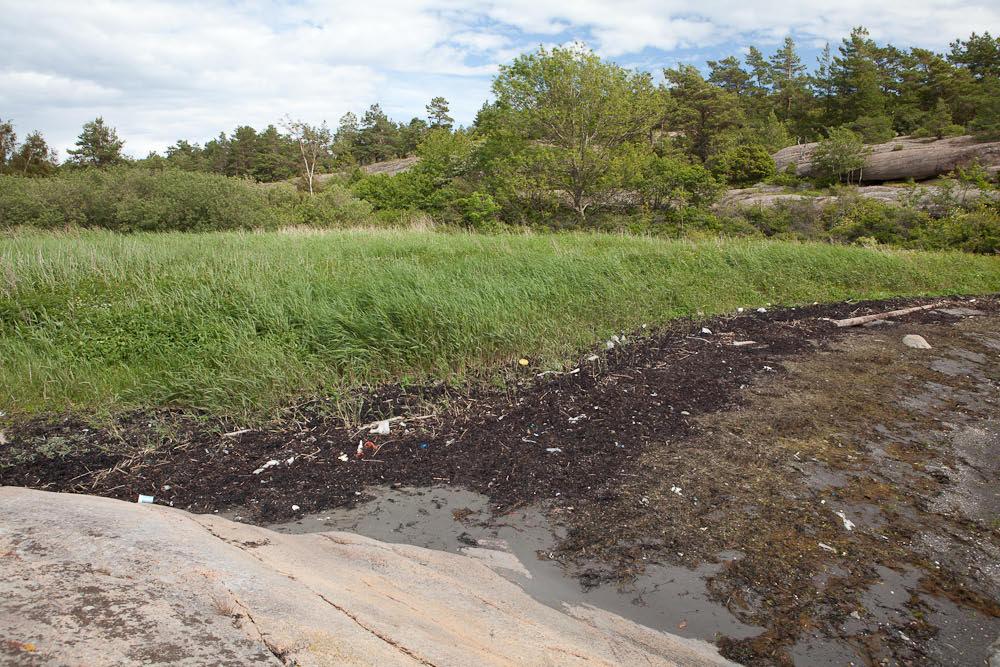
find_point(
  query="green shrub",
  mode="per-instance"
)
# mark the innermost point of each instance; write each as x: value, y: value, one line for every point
x: 333, y: 206
x: 132, y: 199
x: 129, y: 199
x: 868, y: 218
x: 840, y: 156
x: 668, y: 182
x: 744, y: 165
x: 480, y: 212
x: 786, y: 178
x: 973, y: 231
x: 767, y: 220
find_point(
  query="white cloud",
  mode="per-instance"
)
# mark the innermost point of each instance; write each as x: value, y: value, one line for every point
x: 161, y: 70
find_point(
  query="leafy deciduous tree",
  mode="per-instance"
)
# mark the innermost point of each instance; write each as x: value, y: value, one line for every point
x: 578, y: 112
x: 839, y: 156
x: 314, y: 145
x: 34, y: 157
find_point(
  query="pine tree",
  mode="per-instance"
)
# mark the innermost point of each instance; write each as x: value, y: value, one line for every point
x: 760, y: 70
x: 98, y: 145
x: 378, y: 136
x: 823, y: 84
x: 728, y: 75
x: 437, y: 113
x: 857, y: 79
x: 700, y: 110
x: 788, y: 75
x: 242, y: 151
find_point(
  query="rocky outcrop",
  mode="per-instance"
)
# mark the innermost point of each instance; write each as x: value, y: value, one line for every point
x: 391, y: 167
x: 905, y: 158
x: 926, y: 197
x: 95, y: 581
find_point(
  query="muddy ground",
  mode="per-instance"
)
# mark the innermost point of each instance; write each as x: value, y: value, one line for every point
x: 842, y: 486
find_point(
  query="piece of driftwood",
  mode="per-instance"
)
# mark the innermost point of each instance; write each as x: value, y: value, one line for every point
x: 855, y: 321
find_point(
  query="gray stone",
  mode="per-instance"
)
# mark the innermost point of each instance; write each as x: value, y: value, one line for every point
x: 961, y: 312
x: 95, y: 581
x: 916, y: 342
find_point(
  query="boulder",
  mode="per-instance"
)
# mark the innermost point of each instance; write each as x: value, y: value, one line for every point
x: 95, y: 581
x: 904, y: 158
x: 916, y: 342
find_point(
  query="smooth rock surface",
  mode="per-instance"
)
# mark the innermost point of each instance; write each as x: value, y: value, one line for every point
x: 922, y: 197
x: 95, y: 581
x: 905, y: 157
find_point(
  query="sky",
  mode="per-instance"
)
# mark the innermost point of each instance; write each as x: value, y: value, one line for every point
x: 162, y: 70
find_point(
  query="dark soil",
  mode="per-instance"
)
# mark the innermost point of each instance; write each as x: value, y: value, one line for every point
x: 625, y: 428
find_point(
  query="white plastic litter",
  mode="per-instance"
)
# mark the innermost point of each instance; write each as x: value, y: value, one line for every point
x: 145, y: 500
x: 706, y: 330
x: 381, y: 428
x: 573, y: 420
x: 676, y: 489
x: 269, y: 464
x: 848, y: 524
x: 762, y: 310
x: 343, y: 457
x: 553, y: 450
x: 295, y: 508
x: 742, y: 343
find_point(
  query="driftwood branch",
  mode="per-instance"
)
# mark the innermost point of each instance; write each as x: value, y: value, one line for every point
x: 855, y: 321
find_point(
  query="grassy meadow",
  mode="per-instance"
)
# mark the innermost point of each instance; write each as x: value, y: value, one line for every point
x: 242, y: 323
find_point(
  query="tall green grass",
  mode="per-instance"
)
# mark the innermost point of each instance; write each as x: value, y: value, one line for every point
x: 243, y: 323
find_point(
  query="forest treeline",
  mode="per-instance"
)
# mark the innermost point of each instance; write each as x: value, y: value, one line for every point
x: 878, y: 91
x: 570, y: 139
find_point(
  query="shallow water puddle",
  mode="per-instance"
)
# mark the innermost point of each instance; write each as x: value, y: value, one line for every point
x: 672, y: 599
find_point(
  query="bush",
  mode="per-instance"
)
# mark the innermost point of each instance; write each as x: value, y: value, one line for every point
x: 130, y: 199
x: 786, y: 178
x: 744, y: 165
x: 839, y: 156
x: 867, y: 218
x: 667, y: 182
x: 333, y: 206
x: 974, y: 231
x: 480, y: 212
